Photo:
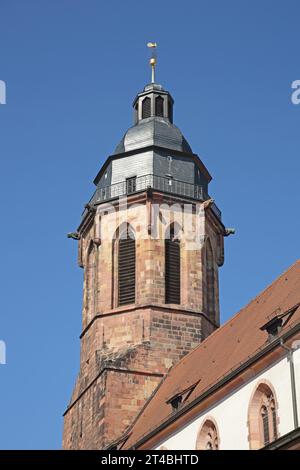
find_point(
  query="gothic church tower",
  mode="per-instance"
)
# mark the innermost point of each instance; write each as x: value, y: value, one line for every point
x: 150, y: 294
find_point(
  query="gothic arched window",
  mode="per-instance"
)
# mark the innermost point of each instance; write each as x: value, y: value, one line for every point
x: 268, y: 416
x: 210, y: 280
x: 208, y: 438
x: 172, y: 268
x: 146, y: 108
x: 126, y: 267
x: 159, y: 106
x: 262, y: 417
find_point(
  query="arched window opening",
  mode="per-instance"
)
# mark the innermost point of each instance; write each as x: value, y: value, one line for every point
x: 210, y: 280
x: 126, y: 268
x: 159, y: 106
x: 146, y: 108
x: 172, y: 268
x: 262, y: 422
x: 208, y: 438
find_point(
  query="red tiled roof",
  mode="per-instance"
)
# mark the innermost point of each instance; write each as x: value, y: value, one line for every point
x: 223, y: 351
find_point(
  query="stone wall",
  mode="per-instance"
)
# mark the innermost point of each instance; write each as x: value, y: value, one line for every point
x: 126, y: 351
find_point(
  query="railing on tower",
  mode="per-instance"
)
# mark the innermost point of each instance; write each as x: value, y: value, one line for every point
x: 160, y: 183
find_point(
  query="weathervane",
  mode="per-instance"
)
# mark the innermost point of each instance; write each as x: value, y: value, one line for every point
x: 153, y: 59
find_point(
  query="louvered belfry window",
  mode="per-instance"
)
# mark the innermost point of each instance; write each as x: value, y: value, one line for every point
x: 146, y: 108
x: 126, y: 270
x: 172, y: 269
x: 159, y: 106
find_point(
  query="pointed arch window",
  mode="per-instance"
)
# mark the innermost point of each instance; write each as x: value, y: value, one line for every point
x: 126, y: 268
x: 146, y: 108
x: 268, y: 423
x: 210, y: 280
x: 172, y: 268
x: 159, y: 106
x: 263, y: 427
x: 208, y: 436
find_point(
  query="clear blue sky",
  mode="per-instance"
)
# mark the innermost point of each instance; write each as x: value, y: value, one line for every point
x: 72, y: 69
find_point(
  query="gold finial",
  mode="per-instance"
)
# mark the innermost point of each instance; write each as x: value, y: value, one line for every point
x: 153, y: 60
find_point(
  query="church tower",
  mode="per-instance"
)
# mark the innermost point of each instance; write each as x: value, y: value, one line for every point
x: 150, y: 242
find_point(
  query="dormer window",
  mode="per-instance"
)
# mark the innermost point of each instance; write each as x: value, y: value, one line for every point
x: 177, y: 400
